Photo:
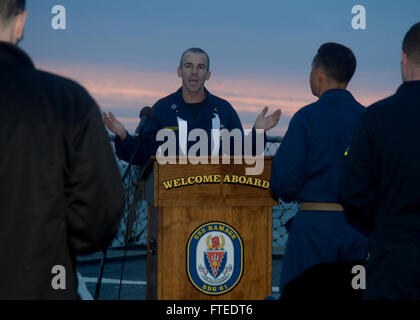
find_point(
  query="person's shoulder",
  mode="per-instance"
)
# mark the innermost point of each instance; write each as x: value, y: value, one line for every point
x: 222, y: 105
x: 220, y: 102
x: 165, y: 103
x: 376, y: 112
x: 356, y: 104
x: 381, y: 106
x: 354, y: 109
x: 307, y: 110
x: 360, y: 107
x: 55, y: 81
x: 383, y: 103
x: 66, y: 96
x: 301, y: 117
x: 60, y: 90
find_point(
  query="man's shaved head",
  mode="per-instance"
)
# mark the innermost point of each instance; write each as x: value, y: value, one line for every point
x: 9, y: 9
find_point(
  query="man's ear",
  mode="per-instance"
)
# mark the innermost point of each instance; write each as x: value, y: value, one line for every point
x: 19, y: 25
x: 404, y: 66
x: 208, y: 75
x: 404, y: 60
x: 179, y: 72
x: 321, y: 76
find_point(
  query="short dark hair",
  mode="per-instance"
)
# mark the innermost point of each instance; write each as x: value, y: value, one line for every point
x: 10, y: 8
x: 411, y: 43
x: 337, y: 61
x: 195, y: 50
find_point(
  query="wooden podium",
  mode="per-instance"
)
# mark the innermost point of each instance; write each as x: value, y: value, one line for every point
x: 186, y: 203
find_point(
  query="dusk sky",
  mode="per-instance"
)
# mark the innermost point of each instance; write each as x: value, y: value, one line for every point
x: 126, y: 52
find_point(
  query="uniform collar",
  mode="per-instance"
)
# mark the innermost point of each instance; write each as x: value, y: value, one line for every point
x: 11, y: 54
x: 208, y: 108
x: 409, y: 86
x: 335, y: 93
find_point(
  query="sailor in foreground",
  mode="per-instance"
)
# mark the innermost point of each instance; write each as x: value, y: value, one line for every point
x: 380, y: 183
x: 307, y: 167
x: 61, y: 193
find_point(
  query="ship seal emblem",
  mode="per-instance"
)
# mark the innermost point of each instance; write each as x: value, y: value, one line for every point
x: 215, y: 257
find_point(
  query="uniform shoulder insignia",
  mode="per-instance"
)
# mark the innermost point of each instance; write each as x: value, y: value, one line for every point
x: 174, y: 107
x: 347, y: 151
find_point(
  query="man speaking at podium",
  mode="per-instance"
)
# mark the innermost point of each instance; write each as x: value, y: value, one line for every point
x: 191, y: 107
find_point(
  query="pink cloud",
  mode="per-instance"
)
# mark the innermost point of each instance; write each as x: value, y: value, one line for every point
x: 116, y: 88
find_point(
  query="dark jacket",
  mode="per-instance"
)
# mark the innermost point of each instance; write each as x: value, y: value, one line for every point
x: 380, y: 184
x: 61, y: 193
x: 307, y: 165
x: 167, y: 113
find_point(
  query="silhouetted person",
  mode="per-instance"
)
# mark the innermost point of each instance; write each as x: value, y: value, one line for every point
x: 380, y: 183
x: 61, y: 192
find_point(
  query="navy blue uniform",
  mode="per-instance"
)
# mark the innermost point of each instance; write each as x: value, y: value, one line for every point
x: 172, y: 112
x: 307, y: 168
x: 380, y: 189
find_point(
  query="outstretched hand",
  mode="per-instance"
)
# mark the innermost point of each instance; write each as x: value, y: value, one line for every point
x: 267, y: 122
x: 114, y: 125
